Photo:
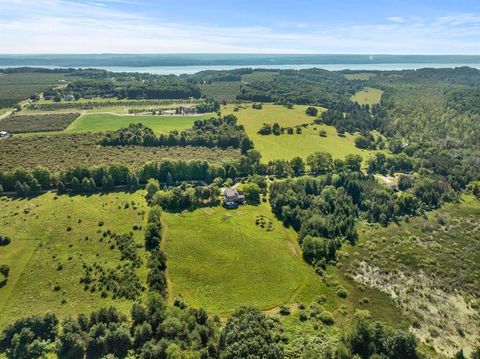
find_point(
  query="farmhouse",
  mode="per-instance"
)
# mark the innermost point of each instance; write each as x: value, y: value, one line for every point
x: 232, y: 198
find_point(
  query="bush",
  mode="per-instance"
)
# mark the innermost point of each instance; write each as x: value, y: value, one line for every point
x: 284, y: 310
x: 326, y: 317
x: 311, y: 111
x: 342, y: 292
x: 4, y: 241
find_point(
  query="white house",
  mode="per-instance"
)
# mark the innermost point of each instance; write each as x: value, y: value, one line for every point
x: 3, y: 134
x: 232, y: 198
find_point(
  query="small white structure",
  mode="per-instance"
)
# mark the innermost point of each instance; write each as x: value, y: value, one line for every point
x: 69, y: 97
x: 3, y: 134
x: 169, y: 112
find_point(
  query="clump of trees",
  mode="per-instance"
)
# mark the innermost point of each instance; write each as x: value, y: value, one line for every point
x: 324, y: 210
x: 311, y: 111
x: 367, y: 340
x: 358, y: 118
x: 216, y: 132
x: 153, y: 330
x: 248, y: 334
x: 157, y: 261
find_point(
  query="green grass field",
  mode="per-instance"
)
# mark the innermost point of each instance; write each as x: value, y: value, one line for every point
x: 221, y: 259
x: 368, y: 96
x: 110, y: 122
x: 41, y: 242
x: 365, y: 76
x: 288, y: 146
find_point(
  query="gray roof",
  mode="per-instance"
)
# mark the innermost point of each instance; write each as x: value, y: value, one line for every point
x: 230, y: 192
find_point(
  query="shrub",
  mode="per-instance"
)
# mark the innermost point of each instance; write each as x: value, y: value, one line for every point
x: 342, y: 292
x: 326, y: 317
x: 284, y: 310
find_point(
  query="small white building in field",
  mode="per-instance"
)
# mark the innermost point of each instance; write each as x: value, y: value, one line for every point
x: 169, y: 112
x: 3, y: 134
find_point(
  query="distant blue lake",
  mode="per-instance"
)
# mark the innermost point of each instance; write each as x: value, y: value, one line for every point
x: 178, y: 70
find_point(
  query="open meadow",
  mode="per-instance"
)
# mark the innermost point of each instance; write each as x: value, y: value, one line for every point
x: 287, y: 146
x: 51, y: 239
x: 368, y: 96
x: 100, y: 122
x: 221, y: 260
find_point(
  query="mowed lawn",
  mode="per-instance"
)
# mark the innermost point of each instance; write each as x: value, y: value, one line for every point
x: 98, y: 122
x: 288, y: 146
x: 368, y: 96
x: 220, y: 259
x: 42, y: 242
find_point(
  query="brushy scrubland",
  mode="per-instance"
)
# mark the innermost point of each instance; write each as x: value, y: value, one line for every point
x: 61, y: 151
x: 430, y: 266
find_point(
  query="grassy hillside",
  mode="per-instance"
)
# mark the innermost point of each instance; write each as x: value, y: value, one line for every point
x: 49, y: 247
x: 221, y: 260
x: 368, y: 96
x: 111, y: 122
x: 288, y: 146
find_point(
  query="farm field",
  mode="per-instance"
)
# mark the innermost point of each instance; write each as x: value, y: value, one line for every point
x: 37, y: 123
x: 221, y: 260
x: 288, y: 146
x: 368, y: 96
x: 16, y: 87
x: 46, y: 256
x: 99, y: 122
x: 58, y: 151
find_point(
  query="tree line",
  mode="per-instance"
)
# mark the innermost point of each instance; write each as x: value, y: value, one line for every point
x: 216, y: 132
x: 154, y: 329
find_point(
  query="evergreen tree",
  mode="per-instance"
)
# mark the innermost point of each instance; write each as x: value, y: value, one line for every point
x: 208, y: 176
x: 61, y: 189
x: 169, y: 179
x: 35, y: 187
x: 76, y: 187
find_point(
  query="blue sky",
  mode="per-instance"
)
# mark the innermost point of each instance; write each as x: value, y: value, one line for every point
x: 243, y: 26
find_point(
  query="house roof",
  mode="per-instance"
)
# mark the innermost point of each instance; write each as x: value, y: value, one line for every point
x: 230, y: 192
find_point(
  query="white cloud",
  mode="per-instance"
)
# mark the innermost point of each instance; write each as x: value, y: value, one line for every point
x: 64, y: 26
x: 397, y: 19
